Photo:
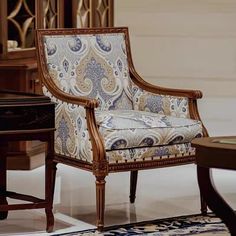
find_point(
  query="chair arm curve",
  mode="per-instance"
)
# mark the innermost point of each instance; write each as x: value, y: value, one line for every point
x: 79, y: 115
x: 169, y: 101
x: 192, y: 94
x: 65, y: 97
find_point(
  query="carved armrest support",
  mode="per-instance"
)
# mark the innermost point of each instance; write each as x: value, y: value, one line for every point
x: 191, y: 94
x: 65, y: 97
x: 169, y: 101
x: 84, y: 111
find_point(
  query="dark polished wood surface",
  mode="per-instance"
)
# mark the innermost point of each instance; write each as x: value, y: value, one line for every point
x: 15, y: 97
x: 19, y: 111
x: 210, y: 153
x: 27, y: 117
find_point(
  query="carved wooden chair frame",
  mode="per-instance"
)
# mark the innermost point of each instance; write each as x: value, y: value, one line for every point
x: 100, y: 166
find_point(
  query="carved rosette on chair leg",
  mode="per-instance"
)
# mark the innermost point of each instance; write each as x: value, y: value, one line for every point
x: 100, y: 170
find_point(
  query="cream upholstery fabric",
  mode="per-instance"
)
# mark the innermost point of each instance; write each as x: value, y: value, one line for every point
x: 134, y: 123
x: 123, y: 129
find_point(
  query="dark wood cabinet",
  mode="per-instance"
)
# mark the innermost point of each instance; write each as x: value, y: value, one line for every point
x: 18, y: 65
x: 22, y: 75
x: 20, y: 18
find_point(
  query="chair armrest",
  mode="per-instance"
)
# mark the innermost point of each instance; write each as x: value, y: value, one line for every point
x: 178, y: 106
x: 68, y: 98
x: 194, y: 94
x: 168, y: 101
x: 159, y: 103
x: 76, y: 132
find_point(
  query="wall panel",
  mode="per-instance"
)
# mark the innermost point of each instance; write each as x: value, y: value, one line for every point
x: 188, y: 44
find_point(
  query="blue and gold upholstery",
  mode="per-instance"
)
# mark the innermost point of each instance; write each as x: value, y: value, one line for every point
x: 108, y: 119
x: 136, y: 125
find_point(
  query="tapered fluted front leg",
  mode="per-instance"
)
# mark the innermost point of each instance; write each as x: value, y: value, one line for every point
x: 100, y: 201
x: 133, y: 185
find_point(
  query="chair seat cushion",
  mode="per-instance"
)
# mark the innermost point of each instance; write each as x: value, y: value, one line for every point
x: 123, y: 129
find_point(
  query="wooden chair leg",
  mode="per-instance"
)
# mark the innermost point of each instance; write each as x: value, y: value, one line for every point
x: 49, y: 213
x: 50, y: 169
x: 100, y: 201
x: 3, y: 178
x: 133, y: 185
x: 203, y: 205
x: 202, y: 200
x: 54, y: 171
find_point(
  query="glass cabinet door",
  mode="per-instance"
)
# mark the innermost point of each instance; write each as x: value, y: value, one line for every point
x: 20, y: 18
x: 90, y: 13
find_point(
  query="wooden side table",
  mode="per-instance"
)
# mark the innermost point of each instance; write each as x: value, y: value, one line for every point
x: 211, y: 153
x: 27, y: 117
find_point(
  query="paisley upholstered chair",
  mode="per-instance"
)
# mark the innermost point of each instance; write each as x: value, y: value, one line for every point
x: 108, y: 118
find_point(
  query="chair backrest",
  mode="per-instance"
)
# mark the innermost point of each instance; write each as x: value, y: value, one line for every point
x: 91, y: 63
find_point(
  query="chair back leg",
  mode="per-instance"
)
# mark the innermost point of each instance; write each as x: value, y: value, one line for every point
x: 203, y: 203
x: 133, y: 185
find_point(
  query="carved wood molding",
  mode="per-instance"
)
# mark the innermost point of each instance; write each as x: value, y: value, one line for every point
x: 100, y: 168
x: 106, y: 168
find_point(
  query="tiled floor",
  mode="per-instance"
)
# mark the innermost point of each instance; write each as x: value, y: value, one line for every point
x: 161, y: 193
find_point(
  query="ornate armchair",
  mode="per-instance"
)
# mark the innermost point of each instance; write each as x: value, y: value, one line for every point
x: 108, y: 118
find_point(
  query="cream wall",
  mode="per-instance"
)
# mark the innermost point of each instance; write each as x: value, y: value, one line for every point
x: 187, y: 44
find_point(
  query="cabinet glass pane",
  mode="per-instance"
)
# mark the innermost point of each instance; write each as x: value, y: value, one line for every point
x: 21, y: 24
x: 50, y: 13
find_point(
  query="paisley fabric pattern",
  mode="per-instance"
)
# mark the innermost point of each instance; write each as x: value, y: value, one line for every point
x: 150, y: 153
x: 161, y: 104
x: 92, y: 66
x: 129, y: 129
x: 71, y: 135
x: 135, y: 124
